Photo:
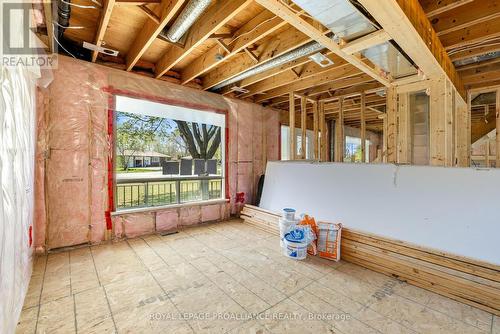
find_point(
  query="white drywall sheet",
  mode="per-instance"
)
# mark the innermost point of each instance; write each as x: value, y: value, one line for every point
x: 456, y: 210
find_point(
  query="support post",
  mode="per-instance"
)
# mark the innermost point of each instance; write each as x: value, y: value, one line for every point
x: 462, y: 132
x: 303, y: 125
x: 441, y: 121
x: 498, y: 128
x: 363, y: 128
x: 315, y: 130
x: 404, y: 131
x: 391, y: 127
x: 291, y: 121
x: 322, y: 131
x: 339, y: 133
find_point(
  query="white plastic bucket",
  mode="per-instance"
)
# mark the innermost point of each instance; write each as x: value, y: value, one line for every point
x: 288, y: 214
x: 295, y: 246
x: 285, y: 226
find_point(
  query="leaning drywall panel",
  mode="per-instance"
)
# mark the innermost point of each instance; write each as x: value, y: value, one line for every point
x: 449, y: 209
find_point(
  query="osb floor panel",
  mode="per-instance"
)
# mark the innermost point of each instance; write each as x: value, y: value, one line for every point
x: 227, y: 278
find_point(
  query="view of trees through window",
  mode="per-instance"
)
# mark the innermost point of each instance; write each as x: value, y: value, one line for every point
x: 162, y: 161
x: 353, y: 149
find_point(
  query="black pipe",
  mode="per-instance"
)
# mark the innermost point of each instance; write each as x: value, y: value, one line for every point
x: 67, y: 46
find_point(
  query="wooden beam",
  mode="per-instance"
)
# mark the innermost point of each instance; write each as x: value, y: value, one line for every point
x: 408, y: 25
x: 257, y: 28
x: 49, y: 18
x: 433, y: 7
x: 404, y: 132
x: 498, y: 128
x: 303, y: 127
x: 315, y: 130
x: 365, y: 42
x: 136, y: 2
x: 322, y: 131
x: 477, y: 33
x: 289, y: 77
x: 283, y: 11
x: 209, y: 22
x: 270, y: 47
x: 339, y: 133
x: 291, y: 122
x: 328, y: 76
x: 462, y: 130
x: 150, y: 13
x: 474, y: 52
x: 391, y: 135
x: 103, y: 25
x: 363, y: 127
x: 150, y: 30
x: 465, y: 16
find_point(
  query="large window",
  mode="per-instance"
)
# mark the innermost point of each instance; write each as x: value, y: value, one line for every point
x: 167, y: 154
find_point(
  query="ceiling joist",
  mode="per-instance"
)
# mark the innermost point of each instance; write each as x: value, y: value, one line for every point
x: 283, y: 11
x: 209, y: 22
x: 151, y: 29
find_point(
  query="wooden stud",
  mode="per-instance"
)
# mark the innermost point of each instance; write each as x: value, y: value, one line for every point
x: 322, y: 131
x: 49, y: 18
x: 391, y: 126
x: 251, y: 55
x: 103, y: 25
x: 339, y: 133
x: 498, y: 128
x: 487, y: 152
x: 462, y: 131
x: 315, y: 130
x: 363, y: 127
x: 303, y: 125
x: 404, y: 131
x: 291, y: 140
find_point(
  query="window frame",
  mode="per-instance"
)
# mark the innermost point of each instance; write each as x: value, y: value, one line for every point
x: 112, y: 128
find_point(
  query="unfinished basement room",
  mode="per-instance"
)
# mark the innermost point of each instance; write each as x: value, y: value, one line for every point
x: 250, y: 166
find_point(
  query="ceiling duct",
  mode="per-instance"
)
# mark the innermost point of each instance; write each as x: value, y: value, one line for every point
x: 350, y: 21
x: 185, y: 20
x: 305, y: 50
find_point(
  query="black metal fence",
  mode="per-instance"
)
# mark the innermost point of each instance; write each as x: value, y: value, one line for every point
x: 139, y: 193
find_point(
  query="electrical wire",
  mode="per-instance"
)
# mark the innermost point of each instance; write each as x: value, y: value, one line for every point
x: 79, y: 6
x: 57, y: 41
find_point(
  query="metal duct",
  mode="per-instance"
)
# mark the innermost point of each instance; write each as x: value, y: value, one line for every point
x: 306, y: 49
x: 340, y: 16
x: 186, y: 19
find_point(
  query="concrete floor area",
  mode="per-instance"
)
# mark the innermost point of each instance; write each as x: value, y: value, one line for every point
x: 227, y: 278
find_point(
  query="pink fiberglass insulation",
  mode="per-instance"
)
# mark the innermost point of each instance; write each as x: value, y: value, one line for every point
x: 167, y: 220
x: 73, y: 148
x: 189, y: 215
x: 210, y: 213
x: 134, y: 224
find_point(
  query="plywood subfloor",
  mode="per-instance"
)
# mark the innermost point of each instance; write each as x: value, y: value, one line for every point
x: 227, y: 278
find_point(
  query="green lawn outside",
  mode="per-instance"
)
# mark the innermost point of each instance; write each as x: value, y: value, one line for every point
x: 134, y: 170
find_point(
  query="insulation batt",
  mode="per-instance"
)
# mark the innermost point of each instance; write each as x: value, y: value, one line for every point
x: 73, y: 149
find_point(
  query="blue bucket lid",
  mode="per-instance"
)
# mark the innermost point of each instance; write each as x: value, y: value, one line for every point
x: 289, y: 210
x: 295, y: 236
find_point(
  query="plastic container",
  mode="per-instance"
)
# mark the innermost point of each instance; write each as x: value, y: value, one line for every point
x: 295, y: 245
x: 285, y: 226
x: 288, y: 214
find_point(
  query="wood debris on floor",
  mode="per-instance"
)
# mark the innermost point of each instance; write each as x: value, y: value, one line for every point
x: 227, y: 278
